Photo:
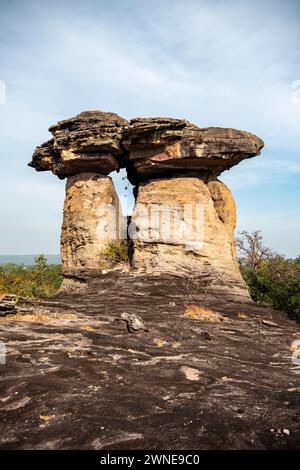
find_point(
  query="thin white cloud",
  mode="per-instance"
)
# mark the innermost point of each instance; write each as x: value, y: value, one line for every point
x: 260, y: 171
x: 225, y: 63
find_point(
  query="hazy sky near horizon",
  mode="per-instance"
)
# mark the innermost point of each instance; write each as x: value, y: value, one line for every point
x: 215, y: 63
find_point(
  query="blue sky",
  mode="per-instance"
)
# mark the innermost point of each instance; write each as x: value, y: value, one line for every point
x: 216, y: 63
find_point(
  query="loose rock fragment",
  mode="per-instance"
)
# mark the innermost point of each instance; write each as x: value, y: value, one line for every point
x: 7, y: 307
x: 191, y: 373
x: 134, y: 322
x: 270, y: 323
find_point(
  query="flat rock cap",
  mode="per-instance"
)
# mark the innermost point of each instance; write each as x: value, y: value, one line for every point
x: 166, y: 146
x: 152, y: 147
x: 89, y: 141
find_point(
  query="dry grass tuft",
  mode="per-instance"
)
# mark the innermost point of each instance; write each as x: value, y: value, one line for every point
x: 45, y: 418
x: 159, y: 342
x: 242, y: 315
x: 197, y: 312
x: 38, y: 317
x: 29, y: 317
x: 86, y: 327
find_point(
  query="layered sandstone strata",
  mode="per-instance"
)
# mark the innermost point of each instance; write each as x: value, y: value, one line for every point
x: 164, y: 147
x: 87, y: 142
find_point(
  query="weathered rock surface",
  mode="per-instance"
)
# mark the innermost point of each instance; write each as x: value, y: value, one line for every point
x: 87, y: 142
x: 223, y: 203
x: 76, y: 379
x: 101, y: 142
x: 184, y: 227
x: 6, y: 307
x: 165, y: 146
x: 92, y: 218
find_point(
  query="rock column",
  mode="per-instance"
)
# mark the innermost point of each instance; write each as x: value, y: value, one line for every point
x: 84, y: 149
x: 90, y: 222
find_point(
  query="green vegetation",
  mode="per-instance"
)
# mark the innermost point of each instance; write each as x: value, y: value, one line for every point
x: 272, y: 279
x: 41, y: 280
x: 116, y: 252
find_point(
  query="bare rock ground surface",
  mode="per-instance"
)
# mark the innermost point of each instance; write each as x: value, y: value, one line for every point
x: 76, y: 378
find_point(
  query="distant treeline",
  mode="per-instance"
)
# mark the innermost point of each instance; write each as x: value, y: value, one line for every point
x: 27, y: 260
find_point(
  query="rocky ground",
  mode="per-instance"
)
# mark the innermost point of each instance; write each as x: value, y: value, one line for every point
x: 76, y: 378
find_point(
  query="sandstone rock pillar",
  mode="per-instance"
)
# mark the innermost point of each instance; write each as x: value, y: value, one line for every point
x: 91, y: 220
x: 184, y: 218
x: 85, y: 149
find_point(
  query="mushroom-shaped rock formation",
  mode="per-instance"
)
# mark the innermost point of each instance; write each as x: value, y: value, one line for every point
x: 85, y: 149
x: 184, y: 218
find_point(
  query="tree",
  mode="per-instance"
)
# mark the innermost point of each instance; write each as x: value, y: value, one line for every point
x: 252, y: 250
x: 40, y: 262
x: 276, y: 283
x: 272, y: 279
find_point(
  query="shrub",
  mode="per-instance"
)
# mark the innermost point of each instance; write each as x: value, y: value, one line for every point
x: 276, y: 283
x: 41, y: 280
x: 115, y: 252
x: 272, y: 279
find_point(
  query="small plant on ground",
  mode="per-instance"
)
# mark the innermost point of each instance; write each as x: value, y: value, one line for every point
x: 115, y: 253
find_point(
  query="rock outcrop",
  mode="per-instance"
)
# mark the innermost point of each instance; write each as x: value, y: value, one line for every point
x: 183, y: 226
x: 76, y: 378
x: 92, y: 218
x: 85, y: 149
x: 6, y: 308
x: 184, y: 218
